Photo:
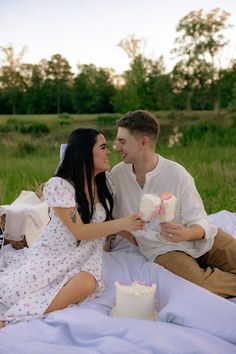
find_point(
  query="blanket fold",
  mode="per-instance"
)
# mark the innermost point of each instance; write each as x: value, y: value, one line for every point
x: 26, y: 216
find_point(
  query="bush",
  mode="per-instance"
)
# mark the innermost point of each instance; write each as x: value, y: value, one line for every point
x: 25, y: 148
x: 65, y: 116
x: 108, y: 118
x: 35, y: 128
x: 210, y: 134
x: 233, y: 119
x: 175, y: 116
x: 24, y: 127
x: 192, y: 117
x: 63, y: 123
x: 11, y: 125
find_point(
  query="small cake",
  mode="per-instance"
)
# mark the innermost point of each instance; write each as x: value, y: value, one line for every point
x: 152, y: 206
x: 149, y: 207
x: 136, y: 301
x: 168, y: 207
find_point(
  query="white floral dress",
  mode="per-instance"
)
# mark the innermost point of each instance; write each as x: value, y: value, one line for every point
x: 28, y: 284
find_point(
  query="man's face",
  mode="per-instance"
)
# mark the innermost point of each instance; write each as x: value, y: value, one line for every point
x: 128, y: 145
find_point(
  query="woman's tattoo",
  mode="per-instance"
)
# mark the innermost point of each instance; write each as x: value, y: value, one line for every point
x: 73, y: 216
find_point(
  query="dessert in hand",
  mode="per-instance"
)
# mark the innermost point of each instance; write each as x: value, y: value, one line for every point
x: 149, y: 207
x: 152, y: 206
x: 136, y: 301
x: 168, y: 207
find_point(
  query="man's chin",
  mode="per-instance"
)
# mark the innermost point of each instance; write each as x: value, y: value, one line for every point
x: 125, y: 160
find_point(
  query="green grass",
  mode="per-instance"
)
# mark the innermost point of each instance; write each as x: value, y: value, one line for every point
x: 214, y: 172
x: 25, y: 174
x: 27, y: 160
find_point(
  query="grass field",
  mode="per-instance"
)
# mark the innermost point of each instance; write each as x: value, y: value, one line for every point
x: 29, y: 159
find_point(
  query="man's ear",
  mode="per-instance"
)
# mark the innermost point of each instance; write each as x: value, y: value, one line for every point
x: 145, y: 140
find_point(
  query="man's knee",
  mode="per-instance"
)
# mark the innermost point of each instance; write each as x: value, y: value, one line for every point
x: 174, y: 260
x: 182, y: 264
x: 223, y: 239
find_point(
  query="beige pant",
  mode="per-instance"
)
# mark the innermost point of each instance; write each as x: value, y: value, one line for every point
x: 214, y: 271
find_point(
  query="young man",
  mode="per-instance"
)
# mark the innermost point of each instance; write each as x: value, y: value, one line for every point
x: 190, y: 246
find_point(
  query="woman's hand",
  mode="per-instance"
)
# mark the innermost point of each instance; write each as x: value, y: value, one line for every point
x: 132, y: 223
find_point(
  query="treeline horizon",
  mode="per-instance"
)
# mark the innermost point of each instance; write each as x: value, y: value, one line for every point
x: 197, y: 81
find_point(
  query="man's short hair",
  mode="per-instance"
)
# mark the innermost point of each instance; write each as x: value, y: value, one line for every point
x: 140, y: 122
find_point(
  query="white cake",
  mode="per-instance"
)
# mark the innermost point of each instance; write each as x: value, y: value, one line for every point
x: 136, y: 301
x: 168, y: 207
x: 149, y: 207
x: 152, y: 206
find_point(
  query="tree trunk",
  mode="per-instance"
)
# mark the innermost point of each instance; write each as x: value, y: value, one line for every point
x: 188, y: 103
x: 217, y: 101
x: 58, y: 99
x: 217, y: 108
x: 13, y: 109
x: 13, y: 105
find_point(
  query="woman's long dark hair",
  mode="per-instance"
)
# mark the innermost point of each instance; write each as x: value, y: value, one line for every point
x: 78, y: 165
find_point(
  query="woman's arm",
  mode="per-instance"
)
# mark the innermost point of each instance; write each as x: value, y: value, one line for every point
x: 72, y: 221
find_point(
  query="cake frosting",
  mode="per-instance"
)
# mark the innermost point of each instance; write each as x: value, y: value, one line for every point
x: 136, y: 301
x: 149, y: 207
x: 168, y: 207
x: 152, y: 206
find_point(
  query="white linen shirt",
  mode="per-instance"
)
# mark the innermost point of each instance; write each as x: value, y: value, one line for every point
x: 167, y: 176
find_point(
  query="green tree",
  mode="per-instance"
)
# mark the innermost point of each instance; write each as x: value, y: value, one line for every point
x: 232, y: 105
x: 228, y: 86
x: 146, y: 85
x: 159, y: 94
x: 132, y: 46
x: 58, y: 80
x: 10, y: 76
x: 33, y: 80
x: 199, y: 45
x: 132, y: 95
x: 93, y: 90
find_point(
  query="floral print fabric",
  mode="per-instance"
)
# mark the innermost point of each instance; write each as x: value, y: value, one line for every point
x: 28, y: 283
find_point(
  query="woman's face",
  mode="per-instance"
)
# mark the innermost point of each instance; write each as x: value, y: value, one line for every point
x: 101, y: 155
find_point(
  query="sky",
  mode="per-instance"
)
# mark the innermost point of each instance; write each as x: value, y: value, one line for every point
x: 88, y: 31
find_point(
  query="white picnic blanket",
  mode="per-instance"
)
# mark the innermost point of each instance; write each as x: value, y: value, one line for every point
x: 190, y: 320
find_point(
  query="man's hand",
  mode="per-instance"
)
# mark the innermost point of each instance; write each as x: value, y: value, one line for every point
x: 176, y: 233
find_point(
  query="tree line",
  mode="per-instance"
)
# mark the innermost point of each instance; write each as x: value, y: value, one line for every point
x: 198, y: 81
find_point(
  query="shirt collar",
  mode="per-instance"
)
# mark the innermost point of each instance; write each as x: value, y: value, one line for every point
x: 149, y: 174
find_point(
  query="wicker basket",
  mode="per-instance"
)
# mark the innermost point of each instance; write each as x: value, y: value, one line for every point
x: 15, y: 244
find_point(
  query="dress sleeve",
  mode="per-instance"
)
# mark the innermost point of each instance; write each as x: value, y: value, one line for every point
x: 59, y: 193
x: 110, y: 184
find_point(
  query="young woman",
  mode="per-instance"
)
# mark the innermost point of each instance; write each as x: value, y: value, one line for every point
x: 64, y: 266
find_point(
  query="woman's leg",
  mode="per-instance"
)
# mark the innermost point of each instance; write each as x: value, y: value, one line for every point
x: 78, y: 288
